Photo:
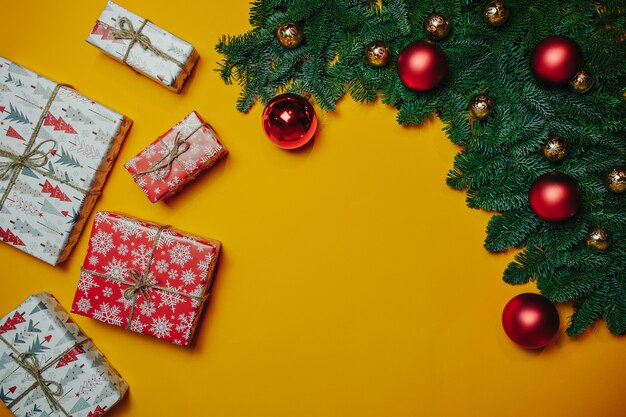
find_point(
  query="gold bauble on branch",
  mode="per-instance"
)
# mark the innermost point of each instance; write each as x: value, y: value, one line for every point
x: 436, y: 26
x: 377, y: 54
x: 582, y: 82
x: 289, y: 35
x: 598, y: 239
x: 616, y: 180
x: 496, y: 13
x: 481, y: 106
x: 554, y: 149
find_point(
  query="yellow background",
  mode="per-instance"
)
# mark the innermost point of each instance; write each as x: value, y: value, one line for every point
x: 353, y: 281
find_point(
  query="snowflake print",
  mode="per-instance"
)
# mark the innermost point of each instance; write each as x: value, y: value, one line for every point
x: 170, y: 299
x: 157, y: 190
x: 108, y: 314
x: 101, y: 242
x: 162, y: 266
x: 107, y: 292
x: 172, y: 274
x: 149, y: 152
x: 197, y: 292
x: 93, y: 260
x: 188, y: 276
x: 83, y: 305
x: 86, y: 283
x: 189, y: 165
x: 137, y: 326
x: 141, y: 181
x: 173, y: 182
x: 125, y: 301
x: 180, y: 254
x: 132, y: 163
x: 102, y: 217
x: 141, y: 256
x: 185, y: 324
x: 161, y: 327
x: 122, y: 249
x: 116, y: 269
x: 147, y: 309
x: 166, y: 238
x: 128, y: 228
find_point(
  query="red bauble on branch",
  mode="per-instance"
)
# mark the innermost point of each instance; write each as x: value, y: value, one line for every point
x: 422, y: 65
x: 555, y: 60
x: 530, y: 320
x: 289, y: 121
x: 555, y: 197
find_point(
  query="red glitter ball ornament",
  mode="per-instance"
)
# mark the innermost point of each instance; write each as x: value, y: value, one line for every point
x: 289, y: 121
x: 422, y: 65
x: 555, y: 60
x: 555, y: 197
x: 530, y: 320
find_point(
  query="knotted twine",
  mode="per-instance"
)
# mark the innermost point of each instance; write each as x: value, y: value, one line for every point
x: 179, y: 147
x: 142, y: 283
x: 30, y: 363
x: 127, y: 31
x: 32, y: 158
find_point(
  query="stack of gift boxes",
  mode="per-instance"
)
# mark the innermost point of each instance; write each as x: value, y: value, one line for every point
x: 56, y: 150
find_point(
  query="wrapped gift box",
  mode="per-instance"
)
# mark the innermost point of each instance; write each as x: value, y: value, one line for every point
x: 143, y: 46
x: 176, y: 158
x: 56, y: 149
x: 145, y: 277
x: 39, y: 338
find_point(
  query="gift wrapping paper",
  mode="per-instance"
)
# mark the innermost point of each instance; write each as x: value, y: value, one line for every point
x: 39, y: 331
x: 144, y: 46
x: 68, y: 143
x: 148, y: 278
x: 180, y: 155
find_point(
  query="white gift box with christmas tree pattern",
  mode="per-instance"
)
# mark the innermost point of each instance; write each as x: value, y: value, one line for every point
x: 56, y: 149
x: 49, y: 368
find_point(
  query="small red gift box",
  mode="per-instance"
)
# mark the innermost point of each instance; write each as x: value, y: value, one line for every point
x: 176, y: 158
x: 145, y: 277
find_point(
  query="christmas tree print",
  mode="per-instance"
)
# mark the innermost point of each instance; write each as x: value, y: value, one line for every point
x: 67, y: 337
x: 16, y: 69
x: 97, y: 412
x: 101, y: 136
x: 33, y: 398
x: 29, y: 172
x: 17, y: 339
x: 90, y: 385
x: 25, y: 188
x: 12, y: 133
x: 15, y: 115
x: 51, y: 249
x: 47, y: 207
x: 50, y: 120
x: 49, y: 227
x: 23, y: 205
x: 80, y: 405
x: 4, y: 396
x: 68, y: 160
x: 20, y: 225
x: 32, y: 328
x: 41, y: 306
x: 108, y: 391
x: 29, y: 100
x: 38, y: 346
x: 5, y: 359
x: 11, y: 322
x: 86, y: 149
x: 72, y: 374
x: 9, y: 237
x: 32, y: 413
x: 76, y: 115
x: 98, y: 360
x: 70, y: 356
x: 64, y: 126
x: 12, y: 80
x: 58, y: 194
x: 47, y: 188
x: 42, y: 91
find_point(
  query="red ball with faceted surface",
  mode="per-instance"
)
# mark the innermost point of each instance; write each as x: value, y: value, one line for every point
x: 555, y: 60
x: 555, y: 197
x: 289, y: 121
x: 422, y: 65
x: 530, y: 320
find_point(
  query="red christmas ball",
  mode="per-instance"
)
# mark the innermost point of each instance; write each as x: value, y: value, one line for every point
x: 555, y: 60
x: 555, y: 197
x: 530, y: 320
x: 422, y: 65
x: 289, y: 121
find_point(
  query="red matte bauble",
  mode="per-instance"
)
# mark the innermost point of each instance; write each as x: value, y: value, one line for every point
x: 555, y: 60
x: 289, y: 121
x: 530, y: 320
x: 555, y: 197
x: 422, y: 65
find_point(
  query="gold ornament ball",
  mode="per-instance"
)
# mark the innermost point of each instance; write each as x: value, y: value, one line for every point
x: 582, y: 82
x: 598, y: 239
x: 289, y: 35
x: 481, y: 106
x: 377, y: 54
x: 436, y: 26
x: 554, y: 149
x: 616, y: 180
x: 496, y: 13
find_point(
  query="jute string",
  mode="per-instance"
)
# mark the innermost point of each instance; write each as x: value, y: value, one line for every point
x: 33, y: 158
x: 141, y: 283
x: 30, y: 363
x: 180, y: 146
x: 127, y: 31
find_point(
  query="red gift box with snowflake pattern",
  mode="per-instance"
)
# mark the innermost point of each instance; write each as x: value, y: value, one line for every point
x: 176, y: 158
x: 145, y: 277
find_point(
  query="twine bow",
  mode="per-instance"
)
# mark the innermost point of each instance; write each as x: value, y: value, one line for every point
x: 179, y: 147
x: 33, y: 158
x: 140, y: 283
x: 127, y: 31
x: 30, y: 363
